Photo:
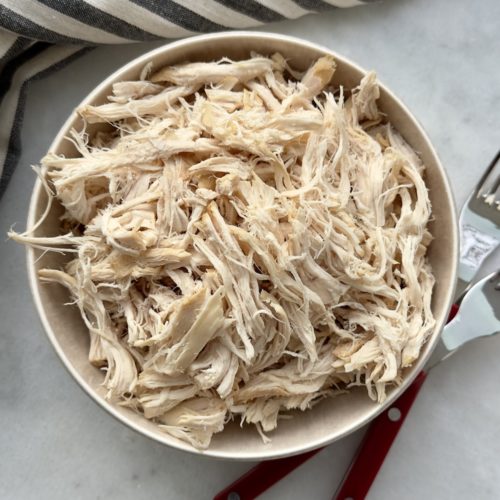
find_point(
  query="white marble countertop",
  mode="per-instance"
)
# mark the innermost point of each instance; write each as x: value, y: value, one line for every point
x: 442, y: 59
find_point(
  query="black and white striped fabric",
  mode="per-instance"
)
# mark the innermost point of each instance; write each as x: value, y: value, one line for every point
x: 37, y: 37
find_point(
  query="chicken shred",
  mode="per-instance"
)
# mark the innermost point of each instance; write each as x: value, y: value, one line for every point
x: 246, y: 240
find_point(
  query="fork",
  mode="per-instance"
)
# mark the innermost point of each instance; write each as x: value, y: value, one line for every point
x: 479, y: 236
x: 479, y: 228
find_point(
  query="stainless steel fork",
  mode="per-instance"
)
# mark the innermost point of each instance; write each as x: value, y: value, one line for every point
x: 479, y: 227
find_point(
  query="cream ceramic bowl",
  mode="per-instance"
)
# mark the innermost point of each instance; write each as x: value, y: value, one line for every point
x: 332, y: 418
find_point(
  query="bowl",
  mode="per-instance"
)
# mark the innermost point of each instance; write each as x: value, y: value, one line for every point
x: 332, y: 418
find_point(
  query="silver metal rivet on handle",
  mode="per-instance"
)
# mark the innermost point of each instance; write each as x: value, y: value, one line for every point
x: 394, y: 414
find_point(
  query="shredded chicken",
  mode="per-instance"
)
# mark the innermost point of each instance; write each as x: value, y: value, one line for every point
x: 247, y: 240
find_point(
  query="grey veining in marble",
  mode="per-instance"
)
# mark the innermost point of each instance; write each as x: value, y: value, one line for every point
x: 442, y: 58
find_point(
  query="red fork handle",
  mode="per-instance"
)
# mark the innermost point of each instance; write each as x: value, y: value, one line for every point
x: 266, y: 474
x: 263, y: 476
x: 376, y: 445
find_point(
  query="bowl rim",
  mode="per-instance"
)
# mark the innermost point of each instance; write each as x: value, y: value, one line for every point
x: 244, y: 455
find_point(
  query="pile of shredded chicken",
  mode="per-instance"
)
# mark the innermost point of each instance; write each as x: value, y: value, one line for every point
x: 247, y: 239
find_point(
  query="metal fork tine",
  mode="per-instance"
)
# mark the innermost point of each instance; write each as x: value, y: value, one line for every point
x: 490, y: 196
x: 496, y: 185
x: 484, y: 177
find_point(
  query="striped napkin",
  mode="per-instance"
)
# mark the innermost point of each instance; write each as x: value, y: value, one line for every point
x: 38, y: 37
